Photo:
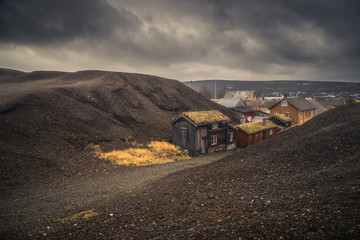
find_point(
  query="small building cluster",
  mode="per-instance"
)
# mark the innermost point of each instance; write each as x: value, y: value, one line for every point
x: 209, y: 131
x: 252, y: 109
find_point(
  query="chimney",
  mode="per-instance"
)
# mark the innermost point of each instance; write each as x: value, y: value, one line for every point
x: 265, y: 123
x: 285, y: 95
x: 242, y: 120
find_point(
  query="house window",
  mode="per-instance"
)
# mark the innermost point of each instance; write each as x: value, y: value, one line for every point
x: 215, y: 126
x: 231, y: 137
x: 271, y: 132
x: 214, y: 140
x: 287, y: 114
x: 284, y: 103
x: 301, y: 115
x: 314, y: 112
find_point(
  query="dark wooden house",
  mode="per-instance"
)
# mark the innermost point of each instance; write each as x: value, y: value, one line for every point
x: 251, y: 133
x: 203, y: 132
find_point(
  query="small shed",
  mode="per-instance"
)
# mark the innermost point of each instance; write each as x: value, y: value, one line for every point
x: 245, y: 112
x: 281, y: 120
x: 251, y: 133
x: 203, y: 132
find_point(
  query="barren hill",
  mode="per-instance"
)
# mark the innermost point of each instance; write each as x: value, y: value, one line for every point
x: 48, y: 118
x: 302, y: 184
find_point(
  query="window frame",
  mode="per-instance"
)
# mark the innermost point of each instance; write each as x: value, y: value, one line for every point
x: 231, y: 137
x: 284, y: 103
x: 215, y: 126
x: 212, y: 137
x: 276, y: 113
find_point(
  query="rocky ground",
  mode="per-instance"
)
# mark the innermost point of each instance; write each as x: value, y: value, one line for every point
x: 29, y: 211
x: 302, y: 184
x: 48, y: 119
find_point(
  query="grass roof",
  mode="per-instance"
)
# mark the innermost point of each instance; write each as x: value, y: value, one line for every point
x: 206, y: 116
x: 254, y: 127
x: 282, y: 116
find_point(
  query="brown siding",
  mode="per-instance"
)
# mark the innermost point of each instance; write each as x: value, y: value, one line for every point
x: 294, y: 114
x: 242, y: 139
x: 245, y: 140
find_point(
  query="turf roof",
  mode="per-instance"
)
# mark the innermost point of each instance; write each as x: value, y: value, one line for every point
x: 206, y: 116
x: 254, y: 127
x: 282, y: 117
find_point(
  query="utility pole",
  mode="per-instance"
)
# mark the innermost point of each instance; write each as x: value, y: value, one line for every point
x: 215, y: 89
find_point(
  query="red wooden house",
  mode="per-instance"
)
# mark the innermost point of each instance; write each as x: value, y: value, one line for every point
x: 251, y: 133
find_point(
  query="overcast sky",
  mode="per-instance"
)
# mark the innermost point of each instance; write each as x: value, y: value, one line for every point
x: 185, y: 40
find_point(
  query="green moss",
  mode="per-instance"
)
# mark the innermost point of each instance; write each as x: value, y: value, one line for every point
x: 256, y: 126
x: 206, y: 116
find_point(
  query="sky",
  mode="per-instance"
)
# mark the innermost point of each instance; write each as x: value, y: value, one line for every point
x: 187, y: 39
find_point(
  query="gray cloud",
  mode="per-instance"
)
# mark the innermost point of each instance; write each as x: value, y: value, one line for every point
x: 279, y: 39
x: 43, y: 21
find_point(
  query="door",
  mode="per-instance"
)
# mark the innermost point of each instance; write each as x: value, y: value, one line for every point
x: 203, y: 145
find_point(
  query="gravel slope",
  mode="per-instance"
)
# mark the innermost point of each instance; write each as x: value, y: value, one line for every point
x: 303, y: 184
x: 27, y: 212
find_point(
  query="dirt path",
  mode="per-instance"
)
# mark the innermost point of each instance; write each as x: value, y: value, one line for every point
x: 34, y: 211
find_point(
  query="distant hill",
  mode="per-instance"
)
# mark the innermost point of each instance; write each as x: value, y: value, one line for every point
x: 47, y: 119
x: 268, y: 87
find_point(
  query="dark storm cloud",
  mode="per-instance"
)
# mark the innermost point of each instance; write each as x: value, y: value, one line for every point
x: 281, y: 25
x: 47, y: 21
x: 291, y: 39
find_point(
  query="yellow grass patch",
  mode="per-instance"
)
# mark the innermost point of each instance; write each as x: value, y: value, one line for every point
x: 163, y: 147
x: 154, y: 153
x: 84, y: 215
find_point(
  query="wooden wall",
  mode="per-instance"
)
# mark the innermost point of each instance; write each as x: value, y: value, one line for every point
x: 190, y: 137
x: 294, y: 112
x: 244, y: 139
x: 184, y: 135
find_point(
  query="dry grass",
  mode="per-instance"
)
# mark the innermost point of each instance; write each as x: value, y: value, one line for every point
x: 163, y: 147
x: 253, y: 127
x: 206, y: 116
x: 154, y: 153
x: 84, y: 215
